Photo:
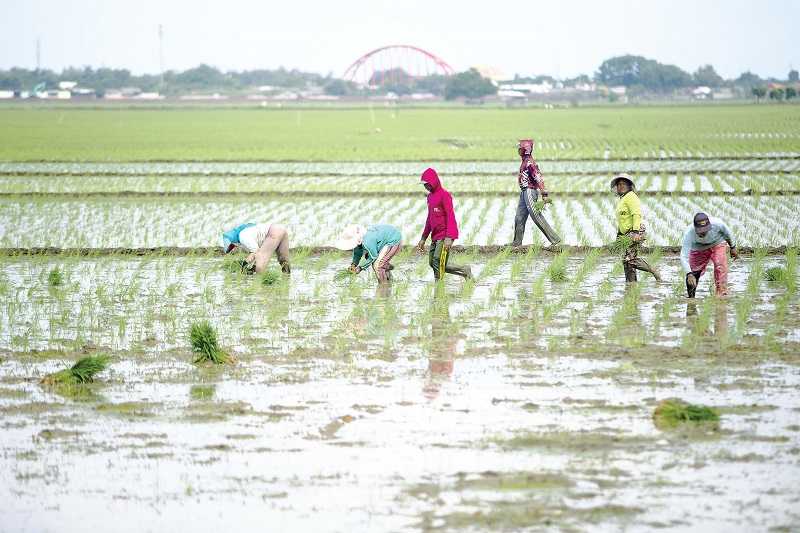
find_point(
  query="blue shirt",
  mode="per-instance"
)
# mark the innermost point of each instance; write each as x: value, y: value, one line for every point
x: 375, y: 239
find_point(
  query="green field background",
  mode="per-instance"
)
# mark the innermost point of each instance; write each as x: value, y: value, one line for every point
x: 394, y: 134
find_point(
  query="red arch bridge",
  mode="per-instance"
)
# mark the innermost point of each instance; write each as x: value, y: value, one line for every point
x: 395, y: 64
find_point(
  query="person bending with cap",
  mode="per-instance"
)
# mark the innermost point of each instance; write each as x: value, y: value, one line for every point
x: 442, y: 227
x: 260, y: 241
x: 530, y: 183
x: 375, y: 246
x: 706, y: 240
x: 629, y: 223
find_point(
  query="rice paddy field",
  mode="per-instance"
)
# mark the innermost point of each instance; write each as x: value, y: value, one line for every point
x: 530, y: 398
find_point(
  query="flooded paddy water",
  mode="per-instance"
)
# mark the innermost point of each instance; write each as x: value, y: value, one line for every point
x: 509, y: 402
x: 506, y: 403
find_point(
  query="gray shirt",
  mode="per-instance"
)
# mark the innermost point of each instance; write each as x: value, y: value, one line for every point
x: 717, y: 233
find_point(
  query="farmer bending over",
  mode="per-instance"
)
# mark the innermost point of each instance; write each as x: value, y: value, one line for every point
x: 375, y: 245
x: 706, y: 241
x: 530, y: 182
x: 441, y: 225
x: 629, y: 223
x: 261, y: 241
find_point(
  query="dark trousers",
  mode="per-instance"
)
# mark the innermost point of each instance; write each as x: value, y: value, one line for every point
x: 526, y: 208
x: 435, y: 260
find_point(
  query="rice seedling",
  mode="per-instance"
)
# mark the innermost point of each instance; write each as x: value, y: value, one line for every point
x: 344, y: 275
x: 270, y: 277
x: 203, y: 339
x: 776, y: 273
x: 622, y: 243
x: 673, y: 412
x: 557, y: 270
x: 55, y: 278
x: 80, y: 373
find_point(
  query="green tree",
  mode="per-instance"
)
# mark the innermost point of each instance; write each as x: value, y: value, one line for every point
x: 337, y: 87
x: 793, y: 76
x: 469, y: 84
x: 651, y: 75
x: 776, y: 94
x: 706, y: 75
x: 791, y: 93
x: 759, y: 92
x: 748, y: 80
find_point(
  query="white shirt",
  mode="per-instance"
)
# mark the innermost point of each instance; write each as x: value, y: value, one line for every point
x: 253, y: 237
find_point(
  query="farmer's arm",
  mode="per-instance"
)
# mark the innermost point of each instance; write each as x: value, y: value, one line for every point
x: 538, y: 179
x: 358, y: 251
x: 686, y: 247
x: 370, y: 244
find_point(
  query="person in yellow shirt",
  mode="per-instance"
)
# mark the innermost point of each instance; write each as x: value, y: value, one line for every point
x: 629, y: 224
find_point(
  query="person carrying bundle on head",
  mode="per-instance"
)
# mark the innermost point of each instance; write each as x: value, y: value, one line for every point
x: 442, y: 227
x: 630, y: 228
x: 706, y: 240
x: 531, y: 183
x: 260, y: 241
x: 372, y: 246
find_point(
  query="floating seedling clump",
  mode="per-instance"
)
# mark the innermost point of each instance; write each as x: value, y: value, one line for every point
x: 203, y: 338
x: 673, y: 412
x: 80, y: 373
x: 776, y: 274
x: 55, y: 278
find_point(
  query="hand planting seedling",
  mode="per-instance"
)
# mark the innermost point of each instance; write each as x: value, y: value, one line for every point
x: 80, y: 373
x: 203, y: 339
x: 239, y: 266
x: 344, y: 274
x: 673, y: 412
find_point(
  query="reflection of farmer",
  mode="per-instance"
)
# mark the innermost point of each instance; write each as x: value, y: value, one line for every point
x: 261, y: 241
x: 530, y: 182
x: 443, y: 344
x: 375, y: 245
x: 629, y: 224
x: 706, y: 240
x: 441, y: 226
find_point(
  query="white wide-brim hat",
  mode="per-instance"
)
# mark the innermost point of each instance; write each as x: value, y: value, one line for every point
x: 350, y: 237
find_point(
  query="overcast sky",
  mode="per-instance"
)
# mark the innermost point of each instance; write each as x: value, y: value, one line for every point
x: 563, y: 38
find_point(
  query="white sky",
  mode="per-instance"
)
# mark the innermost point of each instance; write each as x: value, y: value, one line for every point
x: 561, y: 38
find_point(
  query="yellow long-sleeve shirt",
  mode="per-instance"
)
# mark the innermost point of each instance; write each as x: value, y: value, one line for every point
x: 629, y: 213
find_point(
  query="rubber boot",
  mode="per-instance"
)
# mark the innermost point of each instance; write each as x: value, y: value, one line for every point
x: 630, y: 273
x: 286, y: 268
x: 642, y: 265
x: 690, y: 291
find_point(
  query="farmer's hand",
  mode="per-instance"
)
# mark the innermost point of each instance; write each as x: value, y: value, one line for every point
x: 691, y: 281
x: 448, y: 242
x: 637, y: 236
x: 354, y: 269
x: 734, y: 254
x: 546, y: 199
x: 421, y: 247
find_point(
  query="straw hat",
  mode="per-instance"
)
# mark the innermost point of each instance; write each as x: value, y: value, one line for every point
x: 350, y: 237
x: 623, y: 176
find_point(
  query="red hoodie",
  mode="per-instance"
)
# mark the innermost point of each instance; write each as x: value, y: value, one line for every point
x: 441, y: 221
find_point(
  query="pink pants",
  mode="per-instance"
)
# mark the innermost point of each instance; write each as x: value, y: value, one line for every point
x: 718, y: 254
x: 382, y: 264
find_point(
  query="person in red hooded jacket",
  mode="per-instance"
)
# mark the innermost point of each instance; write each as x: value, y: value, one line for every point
x: 442, y: 227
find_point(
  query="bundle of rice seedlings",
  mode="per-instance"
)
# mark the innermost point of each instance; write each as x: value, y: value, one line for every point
x: 344, y: 275
x: 78, y: 374
x: 539, y: 205
x: 776, y: 274
x: 270, y: 277
x: 619, y: 246
x: 55, y: 278
x: 204, y: 342
x: 238, y: 266
x: 672, y: 412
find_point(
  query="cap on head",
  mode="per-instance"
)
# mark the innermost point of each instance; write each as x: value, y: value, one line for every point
x: 350, y: 237
x: 526, y: 145
x: 623, y: 177
x: 701, y: 223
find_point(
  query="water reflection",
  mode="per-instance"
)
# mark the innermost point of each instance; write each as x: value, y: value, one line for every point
x: 443, y: 344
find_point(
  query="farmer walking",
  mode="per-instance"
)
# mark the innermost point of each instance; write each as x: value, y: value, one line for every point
x: 442, y: 227
x: 530, y: 183
x: 630, y: 229
x: 706, y: 240
x: 373, y: 246
x: 260, y: 241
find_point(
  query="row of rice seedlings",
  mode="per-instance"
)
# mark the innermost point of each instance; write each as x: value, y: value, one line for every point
x: 788, y: 277
x: 746, y: 301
